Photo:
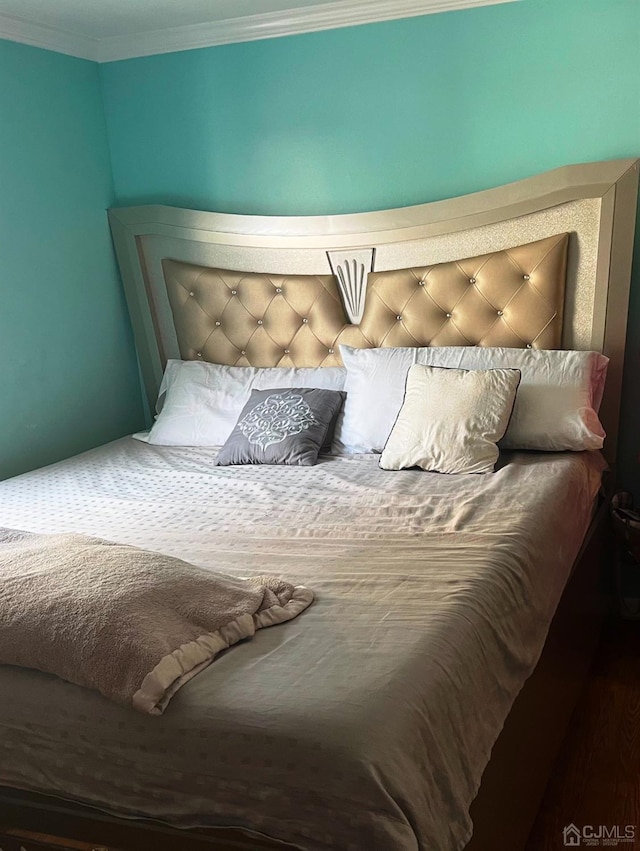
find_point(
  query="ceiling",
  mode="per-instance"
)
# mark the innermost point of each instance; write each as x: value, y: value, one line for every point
x: 105, y: 30
x: 109, y: 18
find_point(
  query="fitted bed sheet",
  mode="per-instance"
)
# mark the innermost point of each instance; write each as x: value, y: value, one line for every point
x: 365, y: 723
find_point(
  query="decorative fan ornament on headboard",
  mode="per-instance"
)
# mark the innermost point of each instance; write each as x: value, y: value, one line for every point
x: 352, y: 268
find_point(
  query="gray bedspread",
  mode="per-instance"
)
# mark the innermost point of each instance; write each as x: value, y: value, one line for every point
x: 367, y: 726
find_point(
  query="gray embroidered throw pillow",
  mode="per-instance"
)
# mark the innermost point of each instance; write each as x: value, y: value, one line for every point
x: 282, y: 426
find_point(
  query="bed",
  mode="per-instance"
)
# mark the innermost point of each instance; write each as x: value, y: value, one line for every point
x: 355, y: 725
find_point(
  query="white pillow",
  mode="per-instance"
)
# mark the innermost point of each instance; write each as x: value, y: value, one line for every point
x: 451, y: 419
x: 556, y: 405
x: 199, y: 403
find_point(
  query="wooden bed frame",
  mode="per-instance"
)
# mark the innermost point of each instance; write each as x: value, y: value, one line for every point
x: 596, y: 203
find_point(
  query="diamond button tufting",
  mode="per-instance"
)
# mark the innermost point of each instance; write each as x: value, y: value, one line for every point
x: 278, y: 290
x: 448, y: 316
x: 399, y: 318
x: 286, y: 351
x: 243, y: 352
x: 529, y: 346
x: 234, y: 292
x: 259, y: 321
x: 499, y: 313
x: 526, y: 277
x: 192, y: 293
x: 305, y: 321
x: 217, y: 323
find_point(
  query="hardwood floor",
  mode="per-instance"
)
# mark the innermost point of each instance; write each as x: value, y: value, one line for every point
x: 597, y: 776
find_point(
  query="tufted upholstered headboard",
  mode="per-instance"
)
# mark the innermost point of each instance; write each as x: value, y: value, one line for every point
x: 544, y: 262
x: 513, y: 297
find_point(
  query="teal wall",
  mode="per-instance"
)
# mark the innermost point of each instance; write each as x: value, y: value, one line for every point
x: 385, y: 115
x: 373, y: 116
x: 68, y: 374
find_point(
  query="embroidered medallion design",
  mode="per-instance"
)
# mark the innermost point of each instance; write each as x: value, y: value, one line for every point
x: 276, y: 418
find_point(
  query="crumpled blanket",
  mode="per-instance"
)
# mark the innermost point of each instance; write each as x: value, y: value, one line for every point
x: 135, y: 625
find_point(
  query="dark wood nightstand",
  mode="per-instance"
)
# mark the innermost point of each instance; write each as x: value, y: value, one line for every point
x: 626, y: 530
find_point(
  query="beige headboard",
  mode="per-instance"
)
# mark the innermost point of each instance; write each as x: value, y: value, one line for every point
x: 544, y: 262
x: 513, y: 297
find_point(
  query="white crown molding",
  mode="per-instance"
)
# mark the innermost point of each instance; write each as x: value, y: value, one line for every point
x: 49, y: 38
x: 306, y: 19
x: 275, y: 24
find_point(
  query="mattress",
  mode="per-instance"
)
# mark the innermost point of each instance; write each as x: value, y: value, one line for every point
x: 364, y: 723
